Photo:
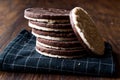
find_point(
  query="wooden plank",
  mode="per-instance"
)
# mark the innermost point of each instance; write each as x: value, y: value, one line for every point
x: 106, y: 15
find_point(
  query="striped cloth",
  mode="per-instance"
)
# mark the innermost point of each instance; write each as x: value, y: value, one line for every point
x: 20, y: 56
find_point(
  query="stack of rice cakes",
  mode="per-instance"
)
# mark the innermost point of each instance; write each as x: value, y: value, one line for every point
x: 55, y: 37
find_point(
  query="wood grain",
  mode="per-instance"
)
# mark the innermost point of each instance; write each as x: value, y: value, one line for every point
x: 106, y: 15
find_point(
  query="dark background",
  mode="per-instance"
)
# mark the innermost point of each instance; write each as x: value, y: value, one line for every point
x: 105, y: 13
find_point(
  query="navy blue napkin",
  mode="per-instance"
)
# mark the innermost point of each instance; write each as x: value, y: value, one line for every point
x: 20, y: 56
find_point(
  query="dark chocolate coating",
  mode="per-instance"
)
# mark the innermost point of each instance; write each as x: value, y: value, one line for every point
x: 53, y: 26
x: 62, y: 52
x: 63, y: 44
x: 55, y: 34
x: 47, y: 13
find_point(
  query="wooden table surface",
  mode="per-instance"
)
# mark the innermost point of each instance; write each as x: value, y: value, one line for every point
x: 105, y: 13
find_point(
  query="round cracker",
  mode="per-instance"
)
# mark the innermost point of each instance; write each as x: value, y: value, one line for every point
x: 86, y: 31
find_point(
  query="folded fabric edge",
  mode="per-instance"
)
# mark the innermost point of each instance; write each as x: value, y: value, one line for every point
x: 9, y: 45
